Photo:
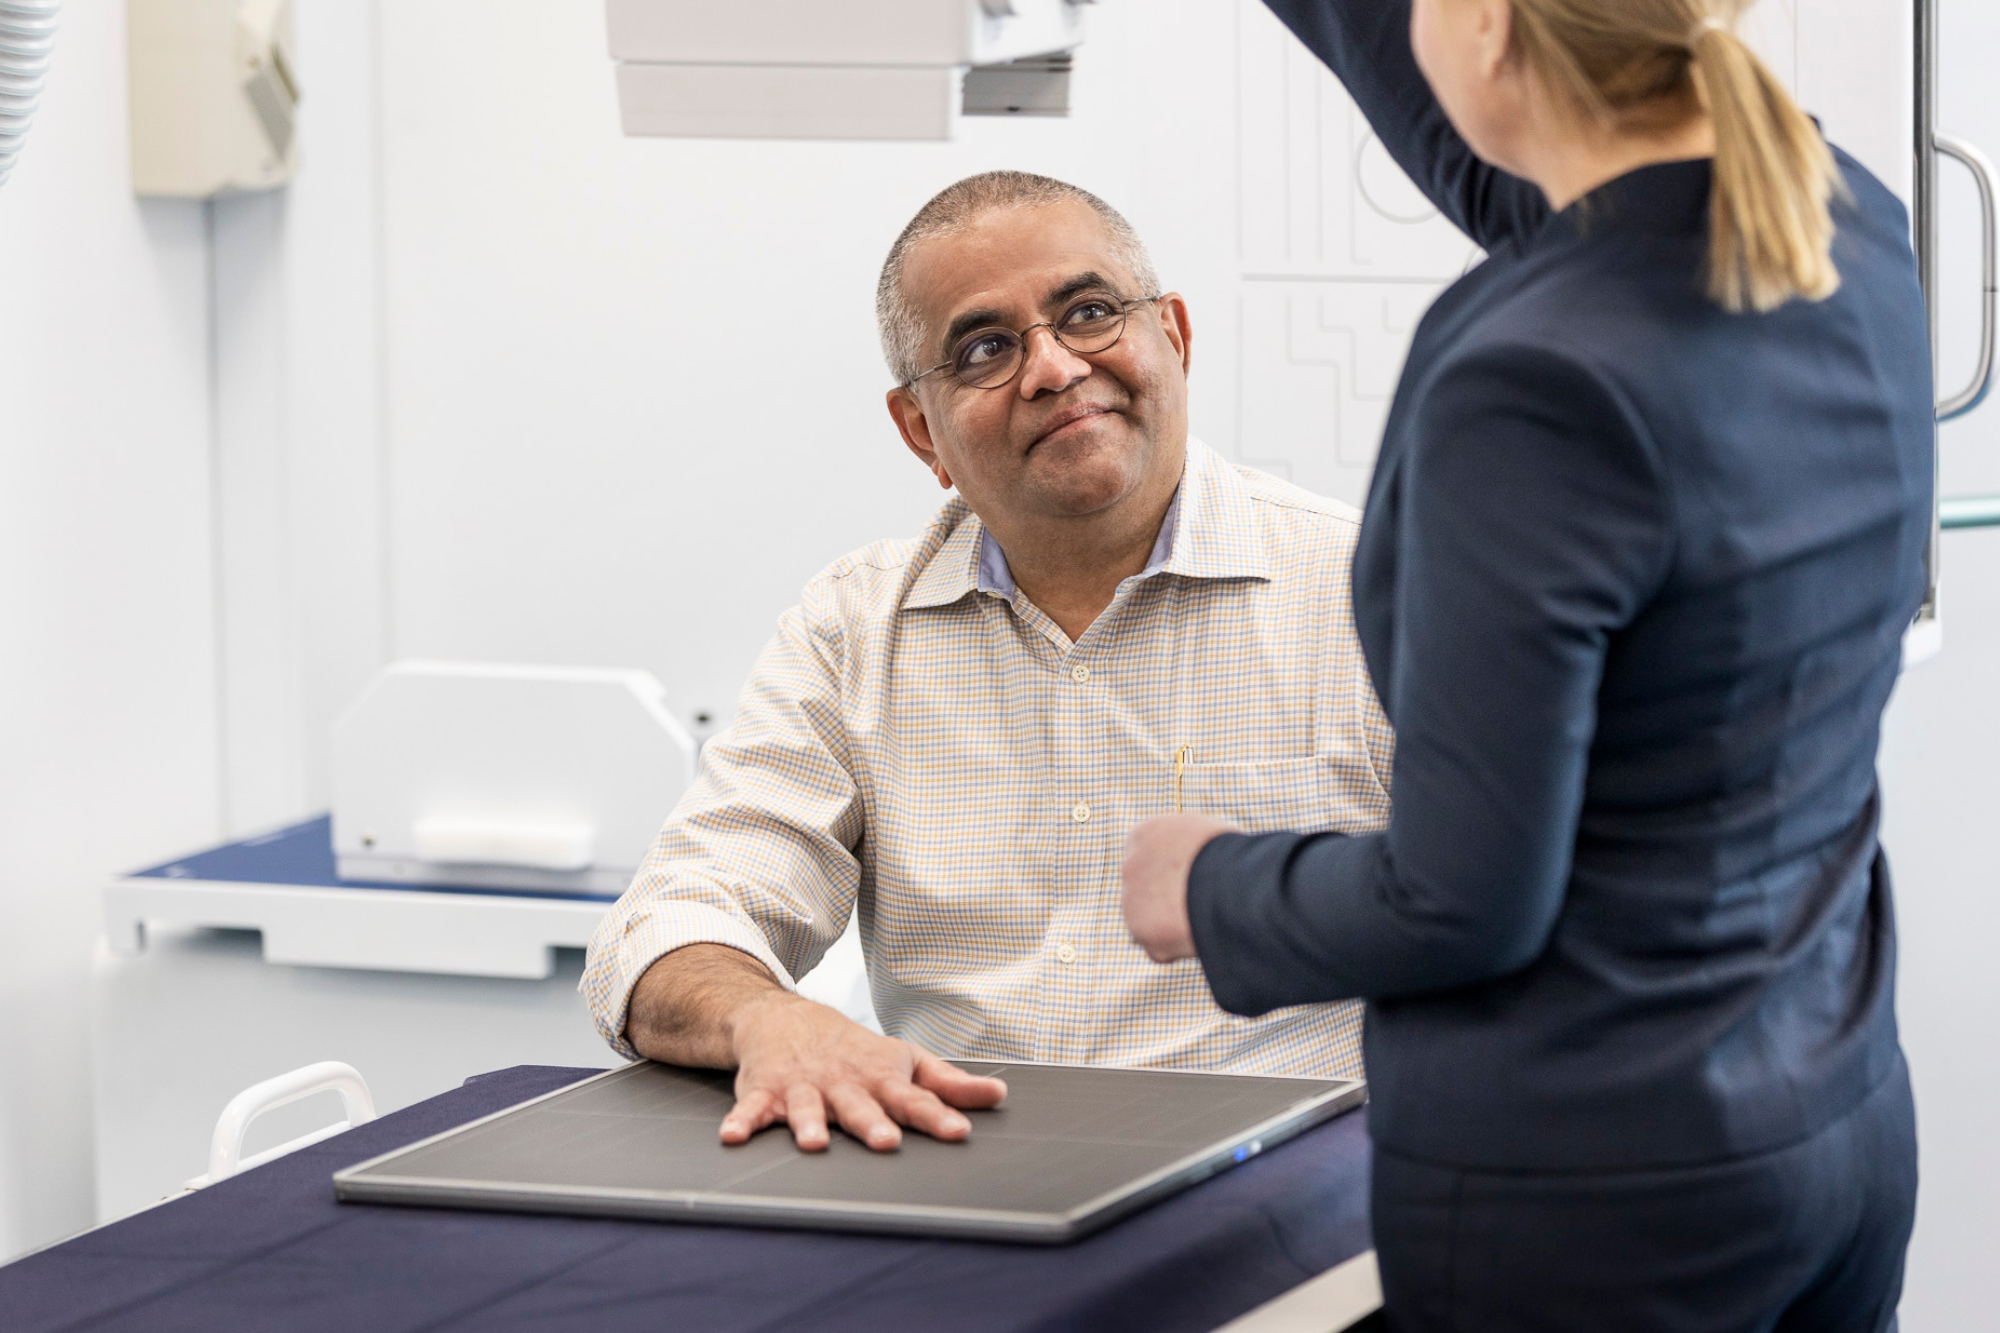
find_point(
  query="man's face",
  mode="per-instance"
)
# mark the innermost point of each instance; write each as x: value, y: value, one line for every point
x: 1071, y: 435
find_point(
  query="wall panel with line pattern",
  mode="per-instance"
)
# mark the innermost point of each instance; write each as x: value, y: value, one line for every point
x: 1340, y: 255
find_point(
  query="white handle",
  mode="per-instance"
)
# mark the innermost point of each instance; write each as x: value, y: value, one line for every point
x: 1989, y: 255
x: 225, y: 1150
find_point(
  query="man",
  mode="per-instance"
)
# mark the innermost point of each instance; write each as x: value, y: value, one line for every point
x: 953, y: 735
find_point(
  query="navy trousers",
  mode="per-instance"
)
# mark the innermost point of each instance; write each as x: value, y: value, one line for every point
x: 1806, y: 1239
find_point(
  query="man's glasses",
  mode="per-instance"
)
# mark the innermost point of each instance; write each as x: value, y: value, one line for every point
x: 991, y: 357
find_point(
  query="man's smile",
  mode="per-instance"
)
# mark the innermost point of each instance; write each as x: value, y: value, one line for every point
x: 1063, y: 422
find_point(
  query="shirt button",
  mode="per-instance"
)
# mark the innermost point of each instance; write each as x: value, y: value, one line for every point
x: 1079, y: 673
x: 1066, y: 952
x: 1080, y: 812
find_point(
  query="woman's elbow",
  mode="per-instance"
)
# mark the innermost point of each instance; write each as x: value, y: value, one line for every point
x: 1483, y: 947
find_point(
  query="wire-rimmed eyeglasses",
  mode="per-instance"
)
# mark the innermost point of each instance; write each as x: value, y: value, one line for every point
x: 990, y: 357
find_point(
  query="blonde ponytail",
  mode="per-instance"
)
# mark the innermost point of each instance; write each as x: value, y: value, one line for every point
x: 1771, y: 225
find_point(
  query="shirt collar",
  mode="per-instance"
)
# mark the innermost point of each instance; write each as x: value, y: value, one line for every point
x: 1210, y: 532
x: 1218, y: 535
x: 997, y: 579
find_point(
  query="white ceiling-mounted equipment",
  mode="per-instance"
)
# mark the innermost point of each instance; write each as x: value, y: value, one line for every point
x: 551, y: 779
x: 215, y: 96
x: 835, y: 69
x: 27, y: 36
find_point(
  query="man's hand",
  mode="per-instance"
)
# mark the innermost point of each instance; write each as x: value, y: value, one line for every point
x: 714, y: 1007
x: 1158, y: 856
x: 807, y: 1065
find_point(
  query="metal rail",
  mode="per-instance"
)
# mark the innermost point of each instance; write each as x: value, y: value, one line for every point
x: 1925, y: 227
x: 1989, y: 272
x: 1954, y: 513
x: 1969, y: 511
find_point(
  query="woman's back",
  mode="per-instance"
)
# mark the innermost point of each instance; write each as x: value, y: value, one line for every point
x: 1643, y: 541
x: 1751, y: 498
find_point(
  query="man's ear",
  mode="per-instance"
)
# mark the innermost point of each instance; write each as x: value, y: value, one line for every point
x: 910, y: 419
x: 1178, y: 325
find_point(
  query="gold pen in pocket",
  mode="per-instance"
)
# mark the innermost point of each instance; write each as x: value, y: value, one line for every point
x: 1182, y: 757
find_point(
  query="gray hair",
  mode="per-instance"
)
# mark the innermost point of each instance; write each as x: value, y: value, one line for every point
x: 903, y: 325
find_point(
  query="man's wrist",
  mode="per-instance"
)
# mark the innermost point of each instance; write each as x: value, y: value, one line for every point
x: 686, y: 1003
x: 744, y: 1016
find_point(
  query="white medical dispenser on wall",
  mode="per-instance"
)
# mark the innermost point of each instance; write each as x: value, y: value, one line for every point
x: 551, y: 779
x: 832, y: 69
x: 214, y: 96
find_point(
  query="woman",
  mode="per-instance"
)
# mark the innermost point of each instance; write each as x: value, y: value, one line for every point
x: 1644, y: 535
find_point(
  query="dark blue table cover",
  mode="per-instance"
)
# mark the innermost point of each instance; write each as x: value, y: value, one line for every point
x: 272, y: 1250
x: 302, y: 855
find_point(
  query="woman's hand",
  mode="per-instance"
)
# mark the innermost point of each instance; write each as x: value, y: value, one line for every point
x: 1158, y: 855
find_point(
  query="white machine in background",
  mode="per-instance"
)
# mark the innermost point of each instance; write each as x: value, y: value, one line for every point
x: 553, y: 779
x: 484, y: 819
x: 814, y: 69
x: 492, y: 813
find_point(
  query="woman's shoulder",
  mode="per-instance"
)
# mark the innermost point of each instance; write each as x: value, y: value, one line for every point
x: 1865, y: 199
x: 1534, y: 417
x: 1550, y: 381
x: 1596, y: 312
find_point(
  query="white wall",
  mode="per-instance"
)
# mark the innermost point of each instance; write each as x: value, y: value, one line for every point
x: 190, y: 556
x: 107, y: 649
x: 299, y: 444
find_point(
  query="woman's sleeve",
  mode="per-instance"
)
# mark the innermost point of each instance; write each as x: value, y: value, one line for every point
x: 1367, y: 43
x: 1531, y: 525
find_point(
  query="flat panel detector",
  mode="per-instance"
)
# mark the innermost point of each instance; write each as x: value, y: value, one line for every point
x: 1072, y: 1149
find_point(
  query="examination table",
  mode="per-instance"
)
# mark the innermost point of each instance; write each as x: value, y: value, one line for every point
x: 272, y: 1250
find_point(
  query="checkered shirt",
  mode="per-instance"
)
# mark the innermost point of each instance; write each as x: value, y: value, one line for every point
x: 921, y: 744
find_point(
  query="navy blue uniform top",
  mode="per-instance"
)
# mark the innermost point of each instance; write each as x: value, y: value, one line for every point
x: 1632, y: 586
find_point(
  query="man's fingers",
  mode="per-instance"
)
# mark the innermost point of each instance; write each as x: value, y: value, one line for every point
x: 750, y: 1114
x: 805, y: 1112
x: 921, y: 1110
x: 955, y: 1087
x: 863, y: 1117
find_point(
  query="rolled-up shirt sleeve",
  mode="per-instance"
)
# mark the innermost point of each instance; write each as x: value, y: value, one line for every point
x: 760, y: 853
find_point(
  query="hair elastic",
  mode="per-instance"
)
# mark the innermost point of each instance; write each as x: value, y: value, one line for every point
x: 1702, y: 29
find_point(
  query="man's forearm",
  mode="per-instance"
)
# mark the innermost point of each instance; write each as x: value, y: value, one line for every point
x: 685, y: 1007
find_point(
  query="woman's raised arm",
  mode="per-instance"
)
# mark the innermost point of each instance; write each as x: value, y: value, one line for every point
x: 1367, y: 44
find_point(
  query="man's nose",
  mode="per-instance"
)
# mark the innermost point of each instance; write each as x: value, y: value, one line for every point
x: 1048, y: 366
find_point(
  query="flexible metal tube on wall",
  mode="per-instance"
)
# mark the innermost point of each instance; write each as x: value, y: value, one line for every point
x: 27, y: 34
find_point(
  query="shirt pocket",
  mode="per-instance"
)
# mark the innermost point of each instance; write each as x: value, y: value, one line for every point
x: 1295, y: 795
